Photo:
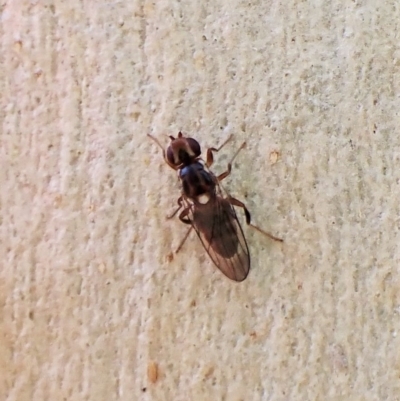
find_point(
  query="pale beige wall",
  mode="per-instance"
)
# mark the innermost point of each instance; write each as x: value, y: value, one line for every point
x: 88, y: 296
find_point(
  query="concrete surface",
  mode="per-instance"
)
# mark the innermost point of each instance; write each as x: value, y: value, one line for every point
x: 92, y: 305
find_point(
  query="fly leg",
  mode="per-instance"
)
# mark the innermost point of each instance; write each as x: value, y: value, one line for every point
x: 183, y: 218
x: 238, y: 203
x: 210, y: 157
x: 180, y: 204
x: 228, y: 171
x: 184, y: 239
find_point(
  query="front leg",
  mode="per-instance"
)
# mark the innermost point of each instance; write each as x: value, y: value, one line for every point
x: 210, y: 157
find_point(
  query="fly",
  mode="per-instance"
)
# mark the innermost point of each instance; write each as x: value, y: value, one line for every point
x: 207, y: 208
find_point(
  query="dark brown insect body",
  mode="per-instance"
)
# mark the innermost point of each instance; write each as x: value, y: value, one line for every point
x: 207, y: 208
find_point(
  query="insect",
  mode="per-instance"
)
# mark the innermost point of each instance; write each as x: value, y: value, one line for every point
x: 207, y: 208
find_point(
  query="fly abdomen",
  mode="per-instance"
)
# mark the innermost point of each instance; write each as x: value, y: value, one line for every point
x: 217, y: 223
x: 226, y: 245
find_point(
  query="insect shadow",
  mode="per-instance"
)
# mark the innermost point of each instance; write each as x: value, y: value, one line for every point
x: 208, y: 208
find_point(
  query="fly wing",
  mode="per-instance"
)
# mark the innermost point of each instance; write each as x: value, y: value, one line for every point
x: 220, y: 232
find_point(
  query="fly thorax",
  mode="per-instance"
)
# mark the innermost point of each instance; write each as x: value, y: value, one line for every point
x: 197, y: 183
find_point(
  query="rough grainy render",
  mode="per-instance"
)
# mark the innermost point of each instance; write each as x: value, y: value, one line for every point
x: 88, y: 295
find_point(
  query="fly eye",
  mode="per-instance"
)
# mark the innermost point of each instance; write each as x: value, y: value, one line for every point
x: 170, y: 157
x: 194, y: 146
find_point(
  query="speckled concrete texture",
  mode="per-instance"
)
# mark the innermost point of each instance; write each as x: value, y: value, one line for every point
x: 93, y: 306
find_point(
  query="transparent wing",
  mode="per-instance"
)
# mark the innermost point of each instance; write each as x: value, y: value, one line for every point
x: 219, y: 230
